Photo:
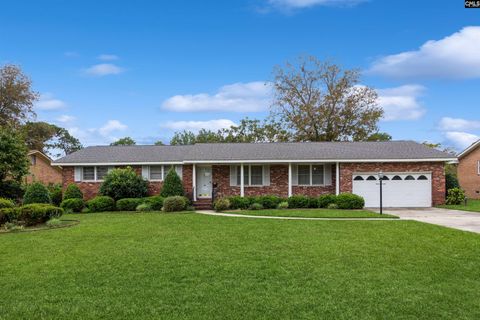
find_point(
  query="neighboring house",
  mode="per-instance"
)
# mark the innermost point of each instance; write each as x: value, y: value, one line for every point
x: 469, y: 170
x: 41, y: 169
x: 414, y: 173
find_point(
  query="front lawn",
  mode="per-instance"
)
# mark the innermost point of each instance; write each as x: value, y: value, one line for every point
x: 192, y: 266
x: 472, y: 205
x: 313, y: 213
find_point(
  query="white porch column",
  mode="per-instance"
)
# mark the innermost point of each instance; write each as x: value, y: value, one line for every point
x: 194, y: 182
x: 242, y: 183
x: 337, y: 179
x: 289, y: 180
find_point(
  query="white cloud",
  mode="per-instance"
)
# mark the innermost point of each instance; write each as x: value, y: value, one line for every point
x: 237, y: 97
x: 48, y: 102
x: 104, y: 69
x: 455, y: 56
x: 195, y: 126
x: 111, y: 126
x: 461, y: 139
x: 65, y: 118
x: 457, y: 124
x: 107, y: 57
x: 300, y: 4
x: 401, y: 103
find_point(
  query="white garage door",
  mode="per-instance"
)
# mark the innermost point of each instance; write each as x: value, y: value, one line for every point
x: 399, y: 189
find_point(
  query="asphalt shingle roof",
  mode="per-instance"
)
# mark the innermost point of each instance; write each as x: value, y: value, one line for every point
x: 388, y: 150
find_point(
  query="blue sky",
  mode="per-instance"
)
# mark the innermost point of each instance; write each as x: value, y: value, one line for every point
x: 108, y: 69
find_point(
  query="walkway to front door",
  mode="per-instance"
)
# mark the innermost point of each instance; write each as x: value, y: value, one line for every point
x: 204, y: 181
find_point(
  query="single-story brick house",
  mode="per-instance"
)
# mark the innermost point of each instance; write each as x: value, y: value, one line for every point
x: 414, y: 174
x: 41, y: 169
x: 468, y: 170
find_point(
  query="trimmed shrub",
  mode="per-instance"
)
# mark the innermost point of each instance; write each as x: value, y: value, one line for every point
x: 143, y: 207
x: 35, y: 213
x: 222, y: 204
x: 56, y: 194
x: 155, y: 202
x: 451, y: 181
x: 269, y: 201
x: 349, y: 201
x: 129, y: 204
x: 326, y: 199
x: 101, y: 204
x: 256, y: 206
x: 73, y: 205
x: 36, y: 193
x: 124, y: 183
x: 72, y: 192
x: 11, y: 189
x: 299, y: 201
x: 175, y: 203
x: 6, y: 203
x: 8, y: 215
x: 237, y: 202
x: 455, y: 196
x: 332, y: 206
x: 283, y: 205
x: 312, y: 202
x: 172, y: 185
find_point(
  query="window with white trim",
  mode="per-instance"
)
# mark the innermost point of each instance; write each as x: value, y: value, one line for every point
x: 158, y: 173
x: 252, y: 175
x: 95, y: 173
x: 311, y: 174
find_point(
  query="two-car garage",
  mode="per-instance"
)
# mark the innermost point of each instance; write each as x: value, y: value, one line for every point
x: 407, y: 189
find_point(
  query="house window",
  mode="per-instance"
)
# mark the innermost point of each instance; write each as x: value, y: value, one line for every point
x: 88, y: 173
x: 101, y: 172
x: 94, y: 173
x: 252, y: 175
x: 311, y: 175
x: 33, y: 159
x: 156, y: 173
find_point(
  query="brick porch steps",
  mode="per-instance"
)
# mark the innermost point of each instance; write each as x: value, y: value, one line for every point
x: 203, y: 204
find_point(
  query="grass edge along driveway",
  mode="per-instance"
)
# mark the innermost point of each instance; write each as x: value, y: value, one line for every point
x: 313, y: 213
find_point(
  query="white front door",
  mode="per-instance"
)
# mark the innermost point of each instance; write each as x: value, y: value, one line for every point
x: 204, y: 181
x: 406, y: 189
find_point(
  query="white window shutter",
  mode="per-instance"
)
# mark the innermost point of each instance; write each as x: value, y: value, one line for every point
x: 179, y: 170
x: 266, y: 175
x: 146, y: 172
x: 233, y: 176
x: 78, y: 174
x: 294, y: 175
x: 327, y: 178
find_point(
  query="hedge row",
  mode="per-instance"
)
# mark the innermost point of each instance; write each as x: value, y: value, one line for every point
x: 30, y: 214
x: 342, y: 201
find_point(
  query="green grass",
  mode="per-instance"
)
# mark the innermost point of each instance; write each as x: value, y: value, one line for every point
x: 472, y: 205
x: 191, y: 266
x: 313, y: 213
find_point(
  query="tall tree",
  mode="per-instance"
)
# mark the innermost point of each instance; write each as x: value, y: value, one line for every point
x: 159, y: 143
x: 16, y: 96
x: 13, y: 156
x: 319, y: 101
x: 126, y: 141
x: 64, y: 142
x: 253, y: 130
x: 379, y: 136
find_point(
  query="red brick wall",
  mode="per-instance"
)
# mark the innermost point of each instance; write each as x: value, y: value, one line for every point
x: 468, y: 174
x: 436, y: 168
x: 43, y: 172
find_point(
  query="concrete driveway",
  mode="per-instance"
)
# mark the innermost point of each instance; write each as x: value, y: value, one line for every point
x: 462, y: 220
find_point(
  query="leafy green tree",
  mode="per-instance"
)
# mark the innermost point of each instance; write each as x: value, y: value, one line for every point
x: 124, y: 183
x: 319, y: 101
x: 172, y: 185
x: 253, y: 130
x: 159, y: 143
x: 183, y: 138
x: 379, y: 136
x: 14, y: 162
x: 16, y: 96
x: 127, y: 141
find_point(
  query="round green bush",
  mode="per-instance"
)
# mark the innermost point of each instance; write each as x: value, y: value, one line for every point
x: 144, y: 207
x: 6, y: 203
x: 172, y: 186
x: 73, y: 205
x: 11, y: 189
x: 451, y: 181
x: 155, y: 202
x: 56, y: 194
x: 101, y: 204
x: 312, y: 202
x: 256, y: 206
x: 222, y: 204
x: 283, y: 205
x: 175, y: 203
x: 350, y: 201
x: 455, y: 196
x: 325, y: 200
x: 35, y: 213
x: 268, y: 201
x: 129, y: 204
x: 73, y: 192
x: 295, y: 202
x: 8, y: 215
x: 36, y: 193
x: 238, y: 202
x: 123, y: 183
